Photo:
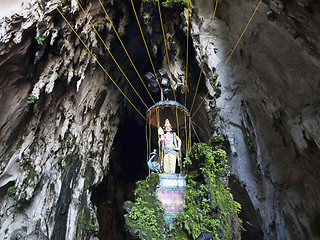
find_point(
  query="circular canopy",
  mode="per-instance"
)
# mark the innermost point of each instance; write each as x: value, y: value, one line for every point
x: 168, y: 109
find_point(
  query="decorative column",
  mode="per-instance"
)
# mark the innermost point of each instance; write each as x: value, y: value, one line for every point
x: 172, y: 193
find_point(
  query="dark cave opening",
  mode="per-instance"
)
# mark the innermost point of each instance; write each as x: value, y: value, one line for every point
x: 127, y: 165
x: 128, y: 156
x: 251, y: 224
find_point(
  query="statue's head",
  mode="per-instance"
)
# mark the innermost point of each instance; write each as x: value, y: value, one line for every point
x: 167, y: 126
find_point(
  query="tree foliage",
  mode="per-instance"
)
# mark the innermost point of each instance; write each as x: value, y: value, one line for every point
x: 146, y: 215
x: 209, y: 205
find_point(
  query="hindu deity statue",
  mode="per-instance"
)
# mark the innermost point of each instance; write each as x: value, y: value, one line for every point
x: 170, y: 145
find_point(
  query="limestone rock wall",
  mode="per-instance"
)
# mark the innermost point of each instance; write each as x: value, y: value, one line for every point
x: 268, y: 106
x: 54, y: 148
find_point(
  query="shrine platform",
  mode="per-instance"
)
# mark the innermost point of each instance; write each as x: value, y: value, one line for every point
x: 171, y: 193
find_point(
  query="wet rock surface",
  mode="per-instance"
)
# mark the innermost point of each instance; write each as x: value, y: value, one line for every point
x: 266, y: 87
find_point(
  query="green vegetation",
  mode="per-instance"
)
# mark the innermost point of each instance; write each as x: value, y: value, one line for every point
x: 183, y: 89
x: 170, y: 3
x: 23, y: 196
x: 173, y: 3
x: 65, y: 2
x: 146, y: 216
x: 147, y: 1
x: 31, y: 99
x: 85, y: 225
x: 31, y: 172
x: 308, y: 2
x: 251, y: 144
x: 90, y: 226
x: 40, y: 40
x: 12, y: 190
x: 209, y: 205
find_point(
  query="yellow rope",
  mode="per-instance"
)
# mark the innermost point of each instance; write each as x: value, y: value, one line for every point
x: 158, y: 126
x: 186, y: 87
x: 154, y: 70
x: 177, y: 117
x: 186, y: 132
x: 205, y: 54
x: 150, y: 135
x: 228, y: 57
x: 187, y: 60
x: 147, y: 146
x: 190, y: 140
x: 97, y: 60
x: 111, y: 54
x: 124, y: 48
x: 165, y: 45
x: 189, y: 143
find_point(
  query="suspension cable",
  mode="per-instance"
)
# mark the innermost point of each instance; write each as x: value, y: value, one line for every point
x: 97, y: 60
x: 205, y: 54
x: 194, y: 124
x: 165, y: 45
x: 154, y: 70
x: 147, y: 146
x: 195, y: 132
x: 158, y: 137
x: 124, y: 48
x: 112, y: 55
x: 228, y: 57
x: 187, y: 58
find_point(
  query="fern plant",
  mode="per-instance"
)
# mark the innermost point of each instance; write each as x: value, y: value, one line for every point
x: 40, y: 40
x: 31, y: 99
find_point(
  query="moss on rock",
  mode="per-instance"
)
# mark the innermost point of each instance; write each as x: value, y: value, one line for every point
x: 209, y: 205
x: 145, y: 218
